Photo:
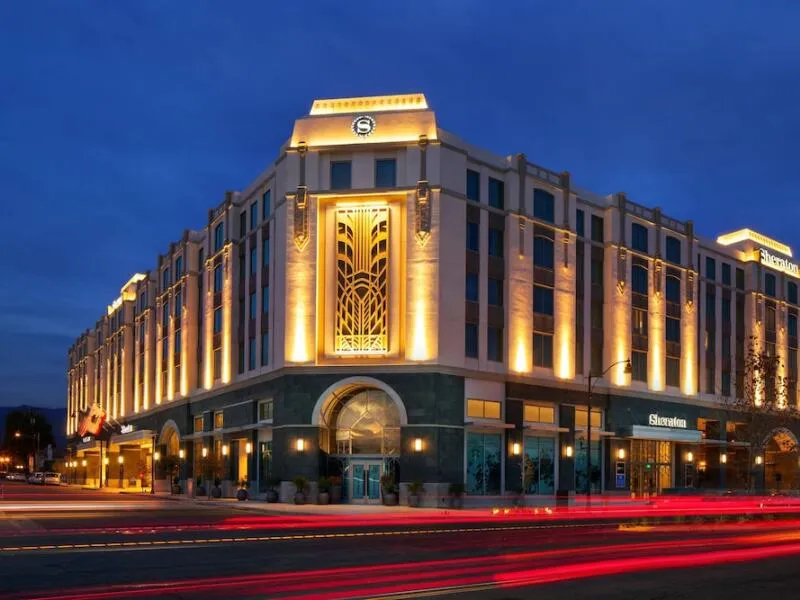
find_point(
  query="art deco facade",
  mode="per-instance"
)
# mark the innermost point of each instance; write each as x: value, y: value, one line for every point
x: 386, y: 297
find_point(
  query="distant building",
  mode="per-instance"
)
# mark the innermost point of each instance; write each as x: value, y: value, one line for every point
x: 385, y: 297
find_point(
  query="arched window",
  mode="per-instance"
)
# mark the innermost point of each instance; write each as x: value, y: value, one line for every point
x: 367, y: 421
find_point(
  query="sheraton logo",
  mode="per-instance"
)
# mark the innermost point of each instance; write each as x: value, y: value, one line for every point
x: 363, y: 125
x: 779, y: 264
x: 657, y: 420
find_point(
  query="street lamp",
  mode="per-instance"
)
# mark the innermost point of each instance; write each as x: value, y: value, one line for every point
x: 628, y: 371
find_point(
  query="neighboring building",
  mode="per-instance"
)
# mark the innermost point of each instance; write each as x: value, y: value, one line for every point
x: 386, y: 297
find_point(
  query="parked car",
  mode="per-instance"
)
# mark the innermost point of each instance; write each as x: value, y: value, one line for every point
x: 52, y: 478
x: 36, y: 478
x: 15, y: 476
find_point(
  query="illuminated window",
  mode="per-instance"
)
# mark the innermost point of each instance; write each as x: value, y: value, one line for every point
x: 496, y: 193
x: 385, y: 173
x: 639, y: 238
x: 218, y: 420
x: 483, y: 409
x: 265, y: 410
x: 639, y: 320
x: 539, y: 414
x: 543, y: 350
x: 198, y: 424
x: 341, y: 175
x: 580, y: 417
x: 544, y: 206
x: 473, y: 185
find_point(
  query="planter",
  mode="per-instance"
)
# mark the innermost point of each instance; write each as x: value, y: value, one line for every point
x: 336, y: 494
x: 216, y: 492
x: 390, y: 499
x: 271, y: 496
x: 456, y: 502
x: 414, y: 500
x: 241, y: 495
x: 324, y: 498
x: 299, y: 498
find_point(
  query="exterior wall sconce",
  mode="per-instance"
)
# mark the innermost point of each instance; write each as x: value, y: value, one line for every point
x: 225, y: 450
x: 689, y: 457
x: 568, y: 450
x: 204, y: 452
x: 417, y: 444
x: 759, y: 460
x: 516, y: 449
x: 105, y: 461
x: 248, y: 448
x: 181, y: 454
x: 300, y: 445
x: 621, y: 453
x: 723, y: 458
x: 156, y: 456
x: 83, y: 462
x: 120, y: 459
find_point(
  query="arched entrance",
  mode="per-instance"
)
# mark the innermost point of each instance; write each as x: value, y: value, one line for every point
x: 360, y: 432
x: 781, y: 461
x: 170, y: 438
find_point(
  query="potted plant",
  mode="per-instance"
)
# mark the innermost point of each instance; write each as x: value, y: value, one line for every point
x: 272, y: 490
x: 389, y: 489
x: 216, y: 491
x: 324, y: 485
x: 300, y: 484
x: 336, y: 489
x: 415, y: 489
x: 171, y: 465
x: 201, y: 490
x: 456, y: 495
x: 241, y: 494
x: 176, y: 485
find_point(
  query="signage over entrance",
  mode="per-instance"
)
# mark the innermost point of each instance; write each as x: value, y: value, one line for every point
x: 126, y: 429
x: 363, y: 125
x: 779, y: 264
x: 656, y: 420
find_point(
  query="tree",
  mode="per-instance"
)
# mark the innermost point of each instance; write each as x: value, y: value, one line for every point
x: 27, y: 431
x: 763, y: 404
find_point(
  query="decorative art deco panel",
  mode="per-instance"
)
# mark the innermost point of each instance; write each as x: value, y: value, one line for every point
x: 362, y: 280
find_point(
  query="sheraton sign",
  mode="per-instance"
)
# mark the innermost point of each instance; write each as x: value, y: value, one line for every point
x: 778, y: 263
x: 656, y: 420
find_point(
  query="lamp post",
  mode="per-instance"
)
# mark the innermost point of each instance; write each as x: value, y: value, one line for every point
x: 628, y: 371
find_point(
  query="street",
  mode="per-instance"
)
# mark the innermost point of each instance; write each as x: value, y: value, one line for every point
x: 70, y: 543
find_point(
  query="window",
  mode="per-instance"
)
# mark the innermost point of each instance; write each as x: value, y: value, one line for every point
x: 198, y: 424
x: 178, y: 304
x: 580, y: 226
x: 581, y: 420
x: 539, y: 461
x: 143, y: 300
x: 484, y: 451
x: 264, y: 348
x: 471, y: 340
x: 253, y: 215
x: 770, y: 319
x: 253, y: 261
x: 265, y: 299
x: 543, y: 252
x: 252, y: 306
x: 266, y: 202
x: 483, y: 409
x: 165, y: 279
x: 219, y: 420
x: 673, y: 289
x: 792, y: 325
x: 495, y: 292
x: 711, y: 268
x: 242, y: 266
x: 473, y: 185
x: 251, y: 353
x: 726, y: 383
x: 473, y: 236
x: 472, y: 287
x: 219, y: 237
x: 740, y: 279
x: 673, y: 250
x: 495, y: 242
x: 340, y: 175
x: 544, y: 206
x: 791, y: 292
x: 266, y: 409
x: 217, y: 279
x: 177, y: 346
x: 639, y: 320
x: 639, y: 279
x: 165, y: 317
x: 597, y: 229
x: 218, y: 320
x: 242, y: 224
x: 539, y: 414
x: 179, y: 267
x: 769, y: 284
x: 141, y: 334
x: 726, y: 273
x: 596, y: 271
x: 164, y: 352
x: 494, y: 344
x: 240, y: 348
x: 385, y: 173
x: 543, y: 350
x: 673, y: 333
x: 639, y: 364
x: 673, y: 371
x: 496, y: 193
x: 265, y: 252
x: 639, y: 238
x: 543, y: 300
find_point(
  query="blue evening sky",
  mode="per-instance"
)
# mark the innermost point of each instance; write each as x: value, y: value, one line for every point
x: 121, y: 123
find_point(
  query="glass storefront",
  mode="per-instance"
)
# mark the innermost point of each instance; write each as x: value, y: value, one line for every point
x: 539, y: 465
x: 580, y: 465
x: 483, y: 463
x: 651, y: 466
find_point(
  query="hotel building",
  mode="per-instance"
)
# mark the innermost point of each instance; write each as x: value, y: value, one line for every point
x: 386, y: 297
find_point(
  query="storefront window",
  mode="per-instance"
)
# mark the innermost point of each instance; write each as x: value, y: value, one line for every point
x: 580, y: 417
x: 483, y: 409
x: 539, y: 414
x: 264, y: 465
x: 483, y: 463
x: 539, y: 465
x: 580, y: 464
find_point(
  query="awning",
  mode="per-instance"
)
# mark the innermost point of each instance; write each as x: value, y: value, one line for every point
x: 667, y: 434
x: 597, y: 432
x: 549, y: 427
x: 134, y: 437
x: 487, y: 425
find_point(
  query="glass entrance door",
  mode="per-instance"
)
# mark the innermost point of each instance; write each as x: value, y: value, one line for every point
x: 651, y: 467
x: 365, y: 482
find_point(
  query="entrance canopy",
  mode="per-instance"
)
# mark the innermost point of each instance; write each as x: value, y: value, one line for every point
x: 668, y: 434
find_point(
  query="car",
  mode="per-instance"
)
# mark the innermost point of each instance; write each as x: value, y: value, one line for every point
x: 51, y: 478
x: 37, y: 478
x: 16, y: 476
